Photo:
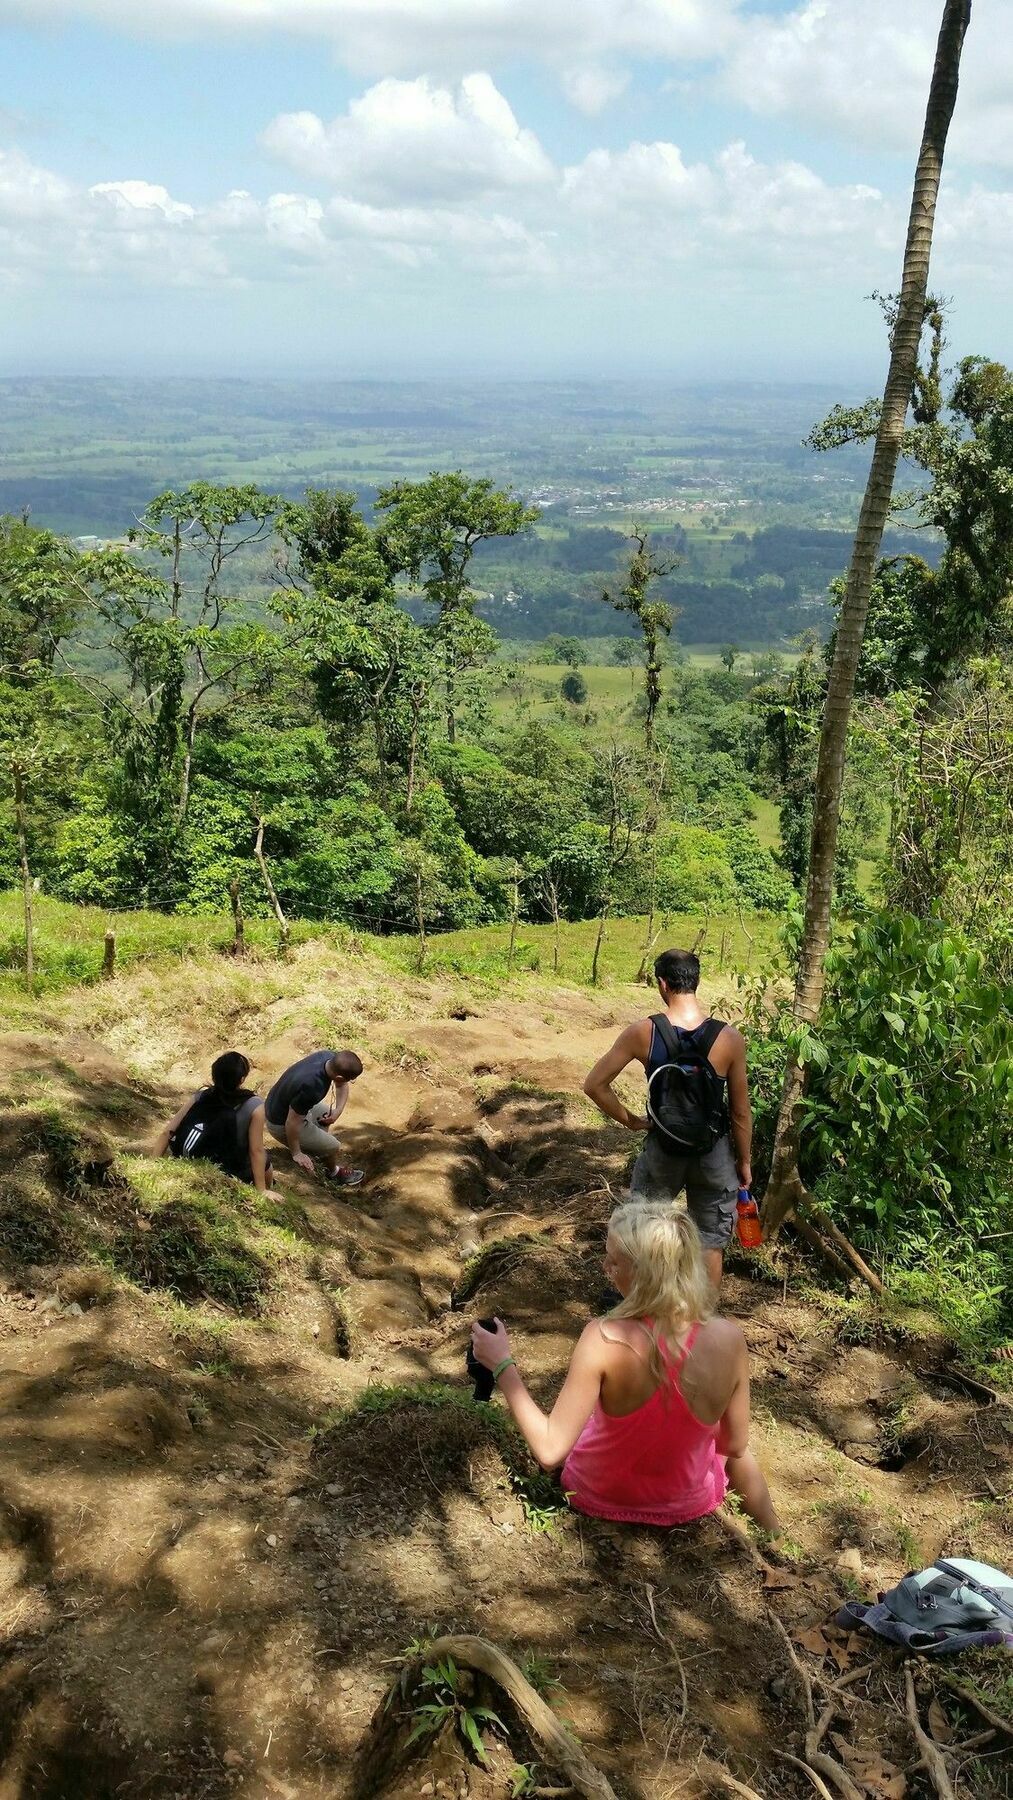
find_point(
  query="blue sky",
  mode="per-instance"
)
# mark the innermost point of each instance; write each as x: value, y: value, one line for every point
x: 695, y: 188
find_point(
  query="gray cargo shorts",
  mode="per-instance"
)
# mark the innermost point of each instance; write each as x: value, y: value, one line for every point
x: 314, y: 1139
x: 711, y: 1183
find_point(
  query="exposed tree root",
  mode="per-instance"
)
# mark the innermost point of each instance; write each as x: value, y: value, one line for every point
x: 382, y: 1751
x: 714, y: 1772
x: 932, y: 1759
x: 970, y: 1698
x: 816, y: 1229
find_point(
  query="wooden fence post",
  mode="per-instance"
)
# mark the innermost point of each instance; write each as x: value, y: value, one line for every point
x: 239, y: 935
x: 109, y: 955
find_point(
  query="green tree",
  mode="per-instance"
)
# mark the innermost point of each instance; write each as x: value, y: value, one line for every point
x: 429, y: 531
x: 654, y: 617
x: 573, y: 687
x: 204, y: 526
x: 628, y: 654
x: 367, y: 658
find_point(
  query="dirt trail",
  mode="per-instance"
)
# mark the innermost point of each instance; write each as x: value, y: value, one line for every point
x: 208, y: 1565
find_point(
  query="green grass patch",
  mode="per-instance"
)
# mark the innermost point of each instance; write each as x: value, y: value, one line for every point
x: 69, y: 943
x: 479, y: 953
x: 197, y: 1237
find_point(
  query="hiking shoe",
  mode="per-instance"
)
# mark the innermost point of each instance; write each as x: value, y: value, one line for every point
x: 347, y: 1177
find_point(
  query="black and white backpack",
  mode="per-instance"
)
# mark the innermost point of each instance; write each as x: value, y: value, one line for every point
x: 215, y: 1129
x: 686, y: 1095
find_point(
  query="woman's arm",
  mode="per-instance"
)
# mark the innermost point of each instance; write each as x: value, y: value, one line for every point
x: 160, y: 1147
x: 733, y: 1426
x: 258, y: 1155
x: 549, y: 1436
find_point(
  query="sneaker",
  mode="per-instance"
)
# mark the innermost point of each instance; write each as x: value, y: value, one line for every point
x: 347, y: 1177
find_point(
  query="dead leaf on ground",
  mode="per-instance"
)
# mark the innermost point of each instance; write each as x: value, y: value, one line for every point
x: 939, y: 1724
x: 812, y: 1640
x: 878, y: 1776
x: 776, y: 1580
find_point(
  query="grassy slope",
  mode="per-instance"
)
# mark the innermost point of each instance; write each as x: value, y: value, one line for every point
x: 70, y: 940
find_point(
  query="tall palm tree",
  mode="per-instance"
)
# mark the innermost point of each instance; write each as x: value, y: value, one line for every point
x: 785, y: 1189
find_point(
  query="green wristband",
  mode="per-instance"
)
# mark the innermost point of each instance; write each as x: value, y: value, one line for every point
x: 507, y: 1363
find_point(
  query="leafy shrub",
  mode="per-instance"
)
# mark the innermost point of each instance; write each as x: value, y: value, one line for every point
x: 912, y: 1090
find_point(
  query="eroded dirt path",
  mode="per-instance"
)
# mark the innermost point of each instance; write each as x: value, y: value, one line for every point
x: 208, y: 1566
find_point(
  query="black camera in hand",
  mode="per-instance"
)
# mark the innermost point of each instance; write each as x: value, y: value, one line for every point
x: 480, y: 1375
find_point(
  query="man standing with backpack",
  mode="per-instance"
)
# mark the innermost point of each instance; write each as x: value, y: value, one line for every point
x: 698, y: 1120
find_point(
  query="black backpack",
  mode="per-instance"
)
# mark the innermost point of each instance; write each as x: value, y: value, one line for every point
x: 686, y: 1095
x: 215, y: 1129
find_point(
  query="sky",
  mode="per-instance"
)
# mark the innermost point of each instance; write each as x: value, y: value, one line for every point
x: 681, y: 189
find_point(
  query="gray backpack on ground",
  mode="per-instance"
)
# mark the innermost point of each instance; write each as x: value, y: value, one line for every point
x: 955, y: 1605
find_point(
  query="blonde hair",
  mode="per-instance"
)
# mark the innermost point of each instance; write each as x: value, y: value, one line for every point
x: 669, y: 1285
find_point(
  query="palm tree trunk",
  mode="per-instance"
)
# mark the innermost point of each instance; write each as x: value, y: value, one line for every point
x: 26, y: 872
x: 785, y: 1188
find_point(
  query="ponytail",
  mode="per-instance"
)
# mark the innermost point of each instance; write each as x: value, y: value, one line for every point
x: 669, y: 1285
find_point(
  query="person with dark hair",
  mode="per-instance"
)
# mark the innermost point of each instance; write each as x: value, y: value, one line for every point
x: 222, y: 1124
x: 305, y: 1101
x: 698, y: 1120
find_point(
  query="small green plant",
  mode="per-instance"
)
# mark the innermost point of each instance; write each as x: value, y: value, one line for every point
x: 907, y: 1543
x: 542, y: 1501
x: 523, y: 1780
x: 451, y: 1705
x: 420, y: 1646
x: 412, y: 1057
x: 539, y: 1672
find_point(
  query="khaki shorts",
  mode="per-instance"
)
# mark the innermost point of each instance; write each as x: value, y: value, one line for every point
x: 314, y: 1138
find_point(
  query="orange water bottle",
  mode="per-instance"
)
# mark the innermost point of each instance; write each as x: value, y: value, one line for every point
x: 747, y: 1221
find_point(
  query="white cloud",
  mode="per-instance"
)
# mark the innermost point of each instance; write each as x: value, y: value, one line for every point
x: 636, y: 180
x: 132, y: 198
x: 402, y: 36
x: 590, y: 88
x: 647, y: 192
x: 435, y: 179
x: 411, y: 140
x: 28, y: 192
x: 863, y: 68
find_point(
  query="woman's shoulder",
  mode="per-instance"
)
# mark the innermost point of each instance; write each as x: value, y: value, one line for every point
x: 633, y: 1333
x: 718, y: 1336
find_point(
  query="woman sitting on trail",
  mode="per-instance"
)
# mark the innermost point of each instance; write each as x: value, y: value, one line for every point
x: 652, y: 1421
x: 222, y: 1124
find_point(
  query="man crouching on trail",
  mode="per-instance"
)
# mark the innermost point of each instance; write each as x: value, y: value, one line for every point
x: 298, y: 1111
x: 697, y: 1105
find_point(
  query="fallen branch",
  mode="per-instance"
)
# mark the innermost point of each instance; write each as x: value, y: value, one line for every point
x: 837, y: 1237
x: 840, y: 1252
x: 970, y: 1698
x: 823, y: 1764
x: 811, y: 1236
x: 817, y: 1760
x: 817, y: 1780
x: 931, y: 1756
x: 559, y: 1750
x: 713, y: 1771
x: 673, y: 1652
x: 964, y: 1384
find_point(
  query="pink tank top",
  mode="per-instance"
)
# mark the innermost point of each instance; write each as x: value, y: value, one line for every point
x: 658, y: 1465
